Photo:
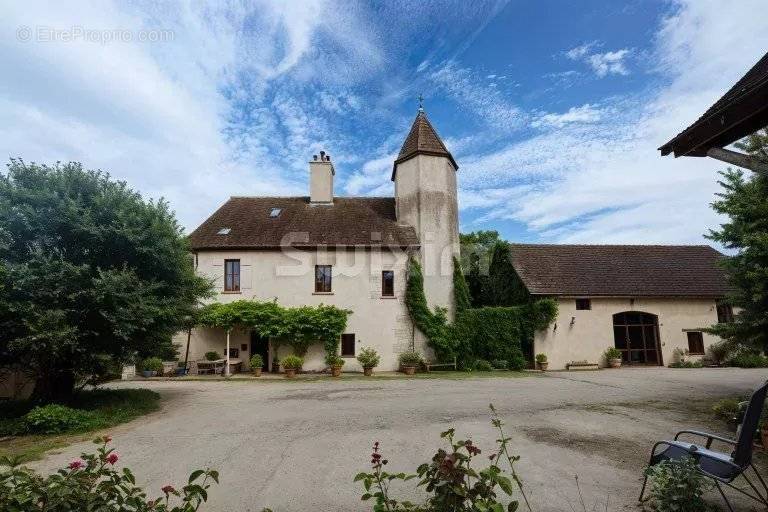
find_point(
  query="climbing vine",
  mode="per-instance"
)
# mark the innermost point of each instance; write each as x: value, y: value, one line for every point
x: 299, y: 327
x: 477, y: 333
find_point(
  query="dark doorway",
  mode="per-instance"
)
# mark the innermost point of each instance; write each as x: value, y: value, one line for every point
x: 260, y: 345
x: 636, y: 335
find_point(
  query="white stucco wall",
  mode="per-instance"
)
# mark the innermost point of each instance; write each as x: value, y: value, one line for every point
x: 288, y: 276
x: 592, y: 330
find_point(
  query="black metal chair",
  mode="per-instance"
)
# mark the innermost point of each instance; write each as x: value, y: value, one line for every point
x: 721, y: 467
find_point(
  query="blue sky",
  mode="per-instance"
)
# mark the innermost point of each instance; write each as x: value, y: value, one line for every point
x: 553, y: 109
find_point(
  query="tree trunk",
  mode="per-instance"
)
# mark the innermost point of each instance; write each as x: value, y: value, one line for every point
x: 56, y: 387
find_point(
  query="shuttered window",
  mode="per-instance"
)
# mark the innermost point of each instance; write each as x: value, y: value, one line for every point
x: 695, y: 343
x: 231, y: 275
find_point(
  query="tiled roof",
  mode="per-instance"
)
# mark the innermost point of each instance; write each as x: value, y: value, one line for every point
x: 422, y: 139
x: 349, y: 221
x: 621, y: 270
x: 740, y: 111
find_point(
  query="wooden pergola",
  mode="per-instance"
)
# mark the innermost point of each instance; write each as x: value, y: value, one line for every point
x: 741, y: 111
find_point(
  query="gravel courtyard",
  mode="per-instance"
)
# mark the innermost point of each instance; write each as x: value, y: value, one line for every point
x: 295, y: 446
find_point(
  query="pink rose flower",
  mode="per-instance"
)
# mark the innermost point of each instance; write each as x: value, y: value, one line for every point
x: 112, y: 458
x: 76, y: 464
x: 168, y: 489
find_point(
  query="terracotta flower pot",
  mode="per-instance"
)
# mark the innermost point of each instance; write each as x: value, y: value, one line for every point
x: 367, y: 372
x: 290, y: 373
x: 257, y: 372
x: 614, y: 363
x: 409, y: 370
x: 336, y: 371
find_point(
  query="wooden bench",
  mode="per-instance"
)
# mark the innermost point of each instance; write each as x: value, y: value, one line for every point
x: 581, y: 365
x: 430, y: 366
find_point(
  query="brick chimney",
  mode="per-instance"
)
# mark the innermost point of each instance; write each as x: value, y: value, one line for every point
x: 321, y: 174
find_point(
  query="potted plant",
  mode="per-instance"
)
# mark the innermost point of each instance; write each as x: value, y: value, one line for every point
x: 409, y: 361
x: 541, y: 360
x: 336, y: 362
x: 212, y: 356
x: 181, y: 368
x: 368, y: 359
x: 151, y: 366
x: 257, y: 362
x: 291, y: 364
x: 613, y: 357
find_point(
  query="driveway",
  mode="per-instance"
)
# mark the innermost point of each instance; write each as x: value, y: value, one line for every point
x: 295, y: 446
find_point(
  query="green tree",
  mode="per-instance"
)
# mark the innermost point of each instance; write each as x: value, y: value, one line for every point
x: 476, y: 250
x: 92, y: 275
x: 745, y: 201
x: 504, y: 286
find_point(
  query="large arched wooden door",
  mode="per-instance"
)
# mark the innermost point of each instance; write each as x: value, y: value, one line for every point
x: 636, y: 335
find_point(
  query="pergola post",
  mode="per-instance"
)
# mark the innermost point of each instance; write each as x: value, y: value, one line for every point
x: 226, y: 368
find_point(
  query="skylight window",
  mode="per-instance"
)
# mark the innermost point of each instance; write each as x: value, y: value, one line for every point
x: 275, y: 212
x: 224, y: 231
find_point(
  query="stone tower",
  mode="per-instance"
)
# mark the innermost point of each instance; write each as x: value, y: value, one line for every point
x: 425, y: 194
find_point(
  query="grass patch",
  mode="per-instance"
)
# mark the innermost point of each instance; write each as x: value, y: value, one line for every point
x: 100, y: 408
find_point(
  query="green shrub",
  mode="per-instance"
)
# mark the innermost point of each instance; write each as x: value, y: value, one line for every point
x: 719, y: 351
x: 481, y: 365
x: 727, y: 409
x: 152, y: 364
x: 212, y: 356
x: 57, y: 419
x: 676, y: 486
x: 748, y: 359
x: 335, y: 360
x: 612, y: 353
x: 257, y: 361
x: 541, y: 358
x: 686, y: 364
x: 93, y: 482
x: 410, y: 359
x: 368, y: 358
x: 292, y: 362
x: 500, y: 364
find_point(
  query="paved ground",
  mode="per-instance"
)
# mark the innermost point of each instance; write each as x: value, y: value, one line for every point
x: 295, y: 446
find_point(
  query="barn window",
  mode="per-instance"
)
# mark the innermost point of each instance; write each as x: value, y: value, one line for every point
x: 582, y: 304
x: 695, y: 343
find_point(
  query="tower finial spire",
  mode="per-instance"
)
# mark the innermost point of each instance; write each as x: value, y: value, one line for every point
x: 421, y: 102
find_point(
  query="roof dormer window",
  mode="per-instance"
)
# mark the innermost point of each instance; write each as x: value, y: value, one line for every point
x: 275, y: 212
x: 224, y: 231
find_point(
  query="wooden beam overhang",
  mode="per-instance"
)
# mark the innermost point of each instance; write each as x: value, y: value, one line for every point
x: 739, y: 160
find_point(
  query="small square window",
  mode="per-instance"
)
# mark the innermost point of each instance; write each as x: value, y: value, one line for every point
x: 388, y: 283
x: 724, y: 314
x: 582, y: 304
x: 275, y: 212
x: 695, y: 343
x: 348, y: 345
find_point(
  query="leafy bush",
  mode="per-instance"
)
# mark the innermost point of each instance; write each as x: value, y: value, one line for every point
x: 748, y: 359
x: 152, y: 364
x: 410, y: 359
x: 541, y: 358
x: 481, y: 365
x: 335, y: 360
x: 686, y: 364
x: 57, y: 419
x: 212, y: 356
x: 727, y: 409
x: 676, y: 486
x: 93, y: 483
x: 719, y: 351
x: 368, y: 358
x: 612, y: 353
x: 451, y: 479
x: 257, y: 361
x: 292, y: 362
x: 500, y: 364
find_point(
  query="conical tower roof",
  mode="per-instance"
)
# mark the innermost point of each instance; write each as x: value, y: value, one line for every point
x: 422, y: 140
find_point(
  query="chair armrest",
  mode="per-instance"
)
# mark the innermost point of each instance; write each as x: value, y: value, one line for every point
x: 708, y: 436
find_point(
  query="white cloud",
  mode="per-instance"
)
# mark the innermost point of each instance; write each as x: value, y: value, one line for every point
x: 605, y: 181
x: 584, y: 114
x: 605, y: 63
